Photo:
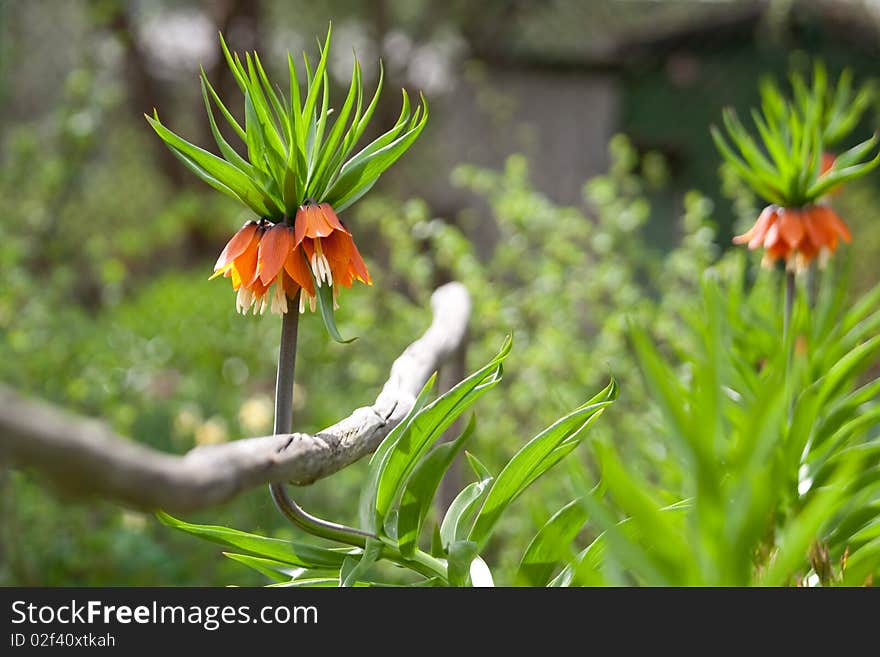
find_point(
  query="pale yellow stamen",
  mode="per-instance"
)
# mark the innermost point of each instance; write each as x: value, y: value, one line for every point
x: 244, y: 300
x: 320, y: 265
x: 279, y: 300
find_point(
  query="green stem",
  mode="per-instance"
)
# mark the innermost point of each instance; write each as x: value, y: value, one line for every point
x: 789, y: 305
x: 283, y: 425
x: 788, y: 339
x: 420, y: 561
x: 812, y: 285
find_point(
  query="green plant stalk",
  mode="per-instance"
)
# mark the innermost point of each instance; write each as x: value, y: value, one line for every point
x: 789, y: 305
x: 420, y: 561
x: 283, y: 425
x: 788, y: 339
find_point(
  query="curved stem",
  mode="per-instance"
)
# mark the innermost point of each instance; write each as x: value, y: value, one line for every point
x: 283, y: 424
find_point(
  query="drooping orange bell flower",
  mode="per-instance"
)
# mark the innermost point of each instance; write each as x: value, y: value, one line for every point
x: 796, y: 235
x: 259, y: 255
x: 329, y: 247
x: 262, y: 255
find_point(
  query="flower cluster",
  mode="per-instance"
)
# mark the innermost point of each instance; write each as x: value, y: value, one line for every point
x: 791, y: 169
x: 300, y: 166
x: 317, y: 250
x: 796, y: 235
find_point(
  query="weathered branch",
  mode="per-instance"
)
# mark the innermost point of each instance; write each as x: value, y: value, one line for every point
x: 85, y: 455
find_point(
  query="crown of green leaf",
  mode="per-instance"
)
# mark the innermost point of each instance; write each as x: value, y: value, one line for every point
x: 786, y: 167
x: 293, y: 151
x: 841, y: 108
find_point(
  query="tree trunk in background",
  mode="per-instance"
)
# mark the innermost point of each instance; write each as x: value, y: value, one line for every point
x: 144, y: 91
x: 238, y: 20
x: 239, y: 23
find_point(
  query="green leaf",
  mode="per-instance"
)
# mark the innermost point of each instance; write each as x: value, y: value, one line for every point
x: 324, y: 295
x: 855, y: 154
x: 836, y: 176
x: 862, y: 565
x: 806, y: 527
x: 355, y: 568
x: 311, y: 99
x: 219, y: 103
x: 289, y: 552
x: 461, y: 555
x: 551, y: 545
x: 360, y: 173
x: 288, y: 157
x: 668, y: 392
x: 311, y: 582
x: 479, y: 469
x: 437, y: 548
x: 529, y: 462
x: 667, y: 543
x: 379, y: 461
x: 228, y: 152
x: 851, y: 365
x: 421, y: 487
x: 329, y: 149
x: 274, y: 570
x: 430, y: 424
x: 359, y: 124
x: 216, y: 171
x: 456, y: 522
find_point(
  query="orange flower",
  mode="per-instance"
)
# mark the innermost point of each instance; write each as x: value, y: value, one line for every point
x: 262, y: 255
x: 329, y: 247
x: 797, y: 235
x: 256, y: 258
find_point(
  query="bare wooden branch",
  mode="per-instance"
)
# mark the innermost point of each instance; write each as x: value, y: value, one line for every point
x: 85, y: 455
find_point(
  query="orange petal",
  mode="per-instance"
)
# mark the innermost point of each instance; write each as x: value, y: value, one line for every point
x: 836, y: 223
x: 808, y: 250
x: 755, y: 234
x: 772, y: 236
x: 236, y: 245
x: 295, y: 265
x: 275, y: 245
x: 245, y: 265
x: 258, y: 288
x: 791, y: 227
x: 771, y: 215
x: 359, y: 266
x: 310, y: 222
x: 291, y: 287
x: 337, y: 248
x: 330, y: 217
x: 815, y: 234
x: 299, y: 226
x: 779, y: 250
x: 344, y: 257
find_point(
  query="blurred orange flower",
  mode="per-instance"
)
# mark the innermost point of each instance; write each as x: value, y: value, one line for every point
x: 796, y: 235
